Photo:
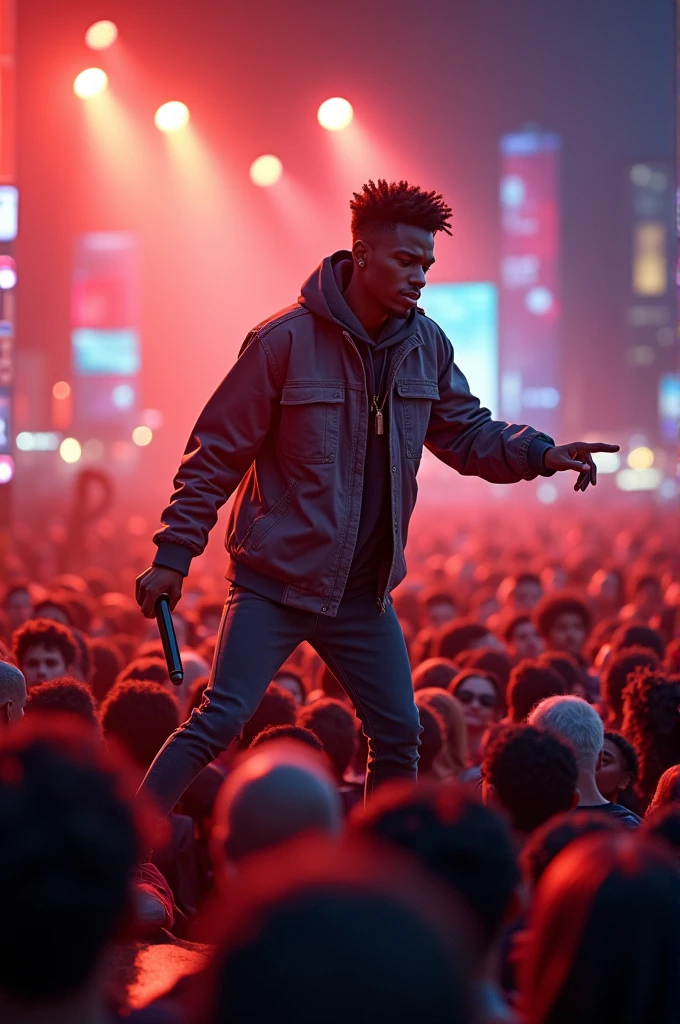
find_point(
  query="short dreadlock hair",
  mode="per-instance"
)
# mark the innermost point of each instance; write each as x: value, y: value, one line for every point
x: 385, y: 204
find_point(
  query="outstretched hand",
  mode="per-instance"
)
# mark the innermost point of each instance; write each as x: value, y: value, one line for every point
x: 577, y: 456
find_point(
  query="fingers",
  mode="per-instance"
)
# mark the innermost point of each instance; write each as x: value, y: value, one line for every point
x: 597, y: 446
x: 580, y: 465
x: 173, y: 597
x: 583, y: 481
x: 148, y: 604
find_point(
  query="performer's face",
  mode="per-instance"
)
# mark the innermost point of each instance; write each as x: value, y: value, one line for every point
x: 396, y: 264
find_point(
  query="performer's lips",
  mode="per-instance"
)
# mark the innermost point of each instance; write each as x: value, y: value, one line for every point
x: 413, y: 296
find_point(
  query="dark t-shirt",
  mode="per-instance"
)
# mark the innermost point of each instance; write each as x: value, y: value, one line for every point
x: 617, y: 811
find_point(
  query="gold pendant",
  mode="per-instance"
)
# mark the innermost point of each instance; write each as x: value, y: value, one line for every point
x: 379, y: 428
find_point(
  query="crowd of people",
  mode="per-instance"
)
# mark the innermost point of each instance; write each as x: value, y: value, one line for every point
x: 531, y: 875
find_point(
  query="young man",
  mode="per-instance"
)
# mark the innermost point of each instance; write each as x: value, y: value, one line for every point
x: 45, y: 650
x: 320, y: 424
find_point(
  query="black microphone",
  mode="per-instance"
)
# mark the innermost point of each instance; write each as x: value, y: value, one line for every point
x: 169, y: 639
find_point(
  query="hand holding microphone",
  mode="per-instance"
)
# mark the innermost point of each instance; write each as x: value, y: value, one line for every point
x: 169, y: 640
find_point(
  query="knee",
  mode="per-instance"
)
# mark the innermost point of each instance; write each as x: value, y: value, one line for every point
x: 402, y: 730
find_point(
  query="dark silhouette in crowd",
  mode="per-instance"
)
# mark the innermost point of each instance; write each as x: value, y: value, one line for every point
x: 667, y: 790
x: 298, y: 906
x: 432, y: 738
x: 458, y: 636
x: 434, y: 672
x: 615, y: 676
x: 529, y: 775
x: 453, y: 760
x: 529, y: 684
x: 604, y: 936
x: 556, y: 834
x: 107, y: 664
x: 288, y: 732
x: 277, y: 707
x: 68, y: 696
x: 650, y: 723
x: 636, y: 634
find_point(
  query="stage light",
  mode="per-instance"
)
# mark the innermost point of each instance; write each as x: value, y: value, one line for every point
x: 8, y: 273
x: 266, y: 170
x: 123, y: 396
x: 101, y: 35
x: 70, y: 449
x: 37, y: 441
x: 61, y: 390
x: 142, y: 436
x: 6, y: 468
x: 172, y: 116
x: 90, y: 83
x: 607, y: 462
x: 641, y: 458
x: 639, y: 479
x: 335, y: 114
x: 546, y: 493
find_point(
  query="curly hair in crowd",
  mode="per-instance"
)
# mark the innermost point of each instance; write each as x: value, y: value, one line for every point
x: 63, y: 695
x: 652, y: 724
x: 553, y: 606
x: 140, y: 715
x: 50, y: 635
x: 381, y: 204
x: 615, y: 675
x: 636, y: 634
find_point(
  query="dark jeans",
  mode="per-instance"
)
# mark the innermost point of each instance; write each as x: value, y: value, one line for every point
x: 364, y: 649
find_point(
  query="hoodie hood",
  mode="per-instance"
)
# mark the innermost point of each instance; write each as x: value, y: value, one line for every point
x: 322, y: 294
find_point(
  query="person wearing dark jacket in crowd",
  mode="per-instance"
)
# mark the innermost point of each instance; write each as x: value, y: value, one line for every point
x: 320, y: 427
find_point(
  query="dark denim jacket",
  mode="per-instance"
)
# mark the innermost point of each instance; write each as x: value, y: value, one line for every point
x: 288, y: 428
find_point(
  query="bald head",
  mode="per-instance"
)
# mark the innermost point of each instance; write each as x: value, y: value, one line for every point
x: 281, y: 791
x: 12, y: 694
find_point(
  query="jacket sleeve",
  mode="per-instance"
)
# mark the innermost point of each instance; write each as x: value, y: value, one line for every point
x: 462, y: 433
x: 223, y: 445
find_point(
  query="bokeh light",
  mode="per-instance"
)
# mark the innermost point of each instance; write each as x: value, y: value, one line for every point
x: 61, y: 390
x: 172, y: 116
x: 8, y: 273
x: 335, y: 114
x: 142, y: 436
x: 90, y: 82
x: 266, y: 170
x: 6, y: 468
x: 607, y: 462
x: 70, y: 450
x: 101, y: 35
x: 641, y: 458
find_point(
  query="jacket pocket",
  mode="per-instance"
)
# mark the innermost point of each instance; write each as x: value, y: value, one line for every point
x: 310, y: 421
x: 262, y: 525
x: 415, y: 398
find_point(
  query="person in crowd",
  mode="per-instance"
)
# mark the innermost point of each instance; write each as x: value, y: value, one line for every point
x: 280, y: 791
x: 667, y: 790
x: 618, y: 772
x: 664, y: 824
x: 529, y: 684
x: 335, y: 724
x: 646, y: 597
x: 635, y: 634
x: 146, y: 670
x: 432, y: 739
x: 569, y: 668
x: 320, y: 931
x: 574, y: 720
x: 44, y: 650
x: 453, y: 759
x: 54, y: 609
x: 519, y: 594
x: 604, y: 935
x: 107, y: 664
x: 521, y: 638
x: 17, y: 605
x: 470, y: 849
x: 137, y: 717
x: 274, y: 733
x: 489, y: 659
x: 437, y: 608
x: 563, y: 621
x: 461, y: 635
x: 555, y: 835
x: 277, y: 707
x: 614, y: 679
x: 530, y: 775
x: 606, y: 594
x: 70, y: 843
x: 434, y: 672
x: 293, y: 680
x: 479, y: 694
x: 13, y: 695
x: 650, y: 723
x: 66, y: 696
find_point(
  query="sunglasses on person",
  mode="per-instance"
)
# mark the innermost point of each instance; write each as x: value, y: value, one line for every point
x: 485, y: 700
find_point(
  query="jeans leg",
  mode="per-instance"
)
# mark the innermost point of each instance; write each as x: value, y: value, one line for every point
x: 255, y: 638
x: 367, y: 653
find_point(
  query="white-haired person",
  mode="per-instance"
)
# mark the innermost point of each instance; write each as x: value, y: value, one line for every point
x: 575, y: 720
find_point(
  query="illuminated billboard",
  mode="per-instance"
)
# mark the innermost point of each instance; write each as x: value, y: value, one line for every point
x: 468, y: 315
x: 530, y: 293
